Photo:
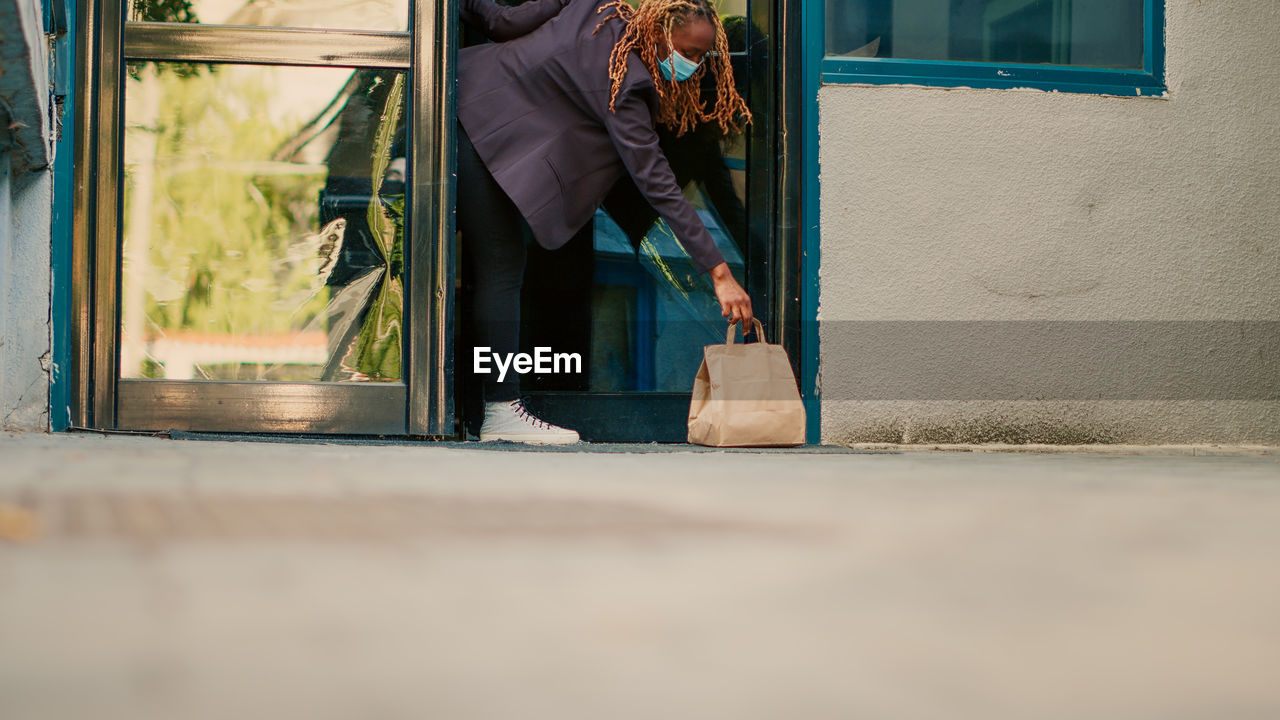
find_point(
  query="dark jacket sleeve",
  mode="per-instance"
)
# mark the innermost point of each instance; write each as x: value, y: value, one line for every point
x: 500, y: 22
x: 633, y: 135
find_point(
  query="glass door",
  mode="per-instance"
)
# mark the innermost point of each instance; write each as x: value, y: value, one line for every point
x: 625, y: 296
x: 268, y: 227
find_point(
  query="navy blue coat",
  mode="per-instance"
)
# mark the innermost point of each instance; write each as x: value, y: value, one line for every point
x: 537, y: 110
x: 508, y: 22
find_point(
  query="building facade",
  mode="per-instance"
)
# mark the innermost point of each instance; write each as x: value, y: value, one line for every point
x: 967, y: 221
x: 1069, y: 262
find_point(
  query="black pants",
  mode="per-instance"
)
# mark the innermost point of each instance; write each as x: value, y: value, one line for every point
x: 492, y: 255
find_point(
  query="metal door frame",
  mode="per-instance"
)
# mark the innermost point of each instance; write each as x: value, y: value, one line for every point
x: 786, y: 103
x: 422, y: 405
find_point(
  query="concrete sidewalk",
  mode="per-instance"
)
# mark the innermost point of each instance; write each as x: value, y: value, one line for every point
x: 192, y: 580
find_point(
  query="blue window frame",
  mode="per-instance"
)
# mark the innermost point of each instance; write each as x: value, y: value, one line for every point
x: 997, y: 44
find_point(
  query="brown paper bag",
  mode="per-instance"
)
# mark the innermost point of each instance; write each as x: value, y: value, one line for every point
x: 745, y: 395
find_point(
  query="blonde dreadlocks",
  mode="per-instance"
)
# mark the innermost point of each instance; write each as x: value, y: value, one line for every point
x: 680, y: 108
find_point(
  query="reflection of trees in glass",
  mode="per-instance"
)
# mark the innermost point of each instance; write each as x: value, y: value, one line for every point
x: 164, y: 11
x: 177, y: 11
x: 141, y: 141
x: 225, y: 224
x: 223, y: 235
x: 376, y: 353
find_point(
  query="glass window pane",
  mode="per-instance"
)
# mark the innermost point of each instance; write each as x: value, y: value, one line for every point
x: 390, y: 15
x: 1086, y: 33
x: 263, y: 221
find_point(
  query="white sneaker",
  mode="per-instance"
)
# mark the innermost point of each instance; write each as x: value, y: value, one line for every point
x: 512, y: 422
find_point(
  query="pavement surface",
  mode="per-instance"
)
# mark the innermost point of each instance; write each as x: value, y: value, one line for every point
x: 151, y: 578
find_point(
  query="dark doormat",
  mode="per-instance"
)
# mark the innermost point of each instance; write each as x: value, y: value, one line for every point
x: 583, y: 447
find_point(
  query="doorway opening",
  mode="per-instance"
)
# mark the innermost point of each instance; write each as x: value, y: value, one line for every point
x: 263, y: 233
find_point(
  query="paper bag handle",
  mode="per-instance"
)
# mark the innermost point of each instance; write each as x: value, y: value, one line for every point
x: 730, y: 336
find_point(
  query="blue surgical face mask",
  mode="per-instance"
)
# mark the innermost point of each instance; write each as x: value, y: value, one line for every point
x: 678, y: 67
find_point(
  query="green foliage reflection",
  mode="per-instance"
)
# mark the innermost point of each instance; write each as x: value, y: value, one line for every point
x: 222, y: 218
x: 222, y: 230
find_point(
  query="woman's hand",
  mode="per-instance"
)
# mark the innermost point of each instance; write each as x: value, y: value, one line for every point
x: 735, y: 303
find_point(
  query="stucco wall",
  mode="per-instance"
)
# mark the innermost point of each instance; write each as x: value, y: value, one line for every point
x: 1019, y: 207
x: 25, y: 205
x: 26, y: 197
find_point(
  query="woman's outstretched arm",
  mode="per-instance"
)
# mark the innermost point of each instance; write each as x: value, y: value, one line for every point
x: 631, y: 129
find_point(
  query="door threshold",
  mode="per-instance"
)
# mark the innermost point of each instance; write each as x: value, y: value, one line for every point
x: 500, y: 446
